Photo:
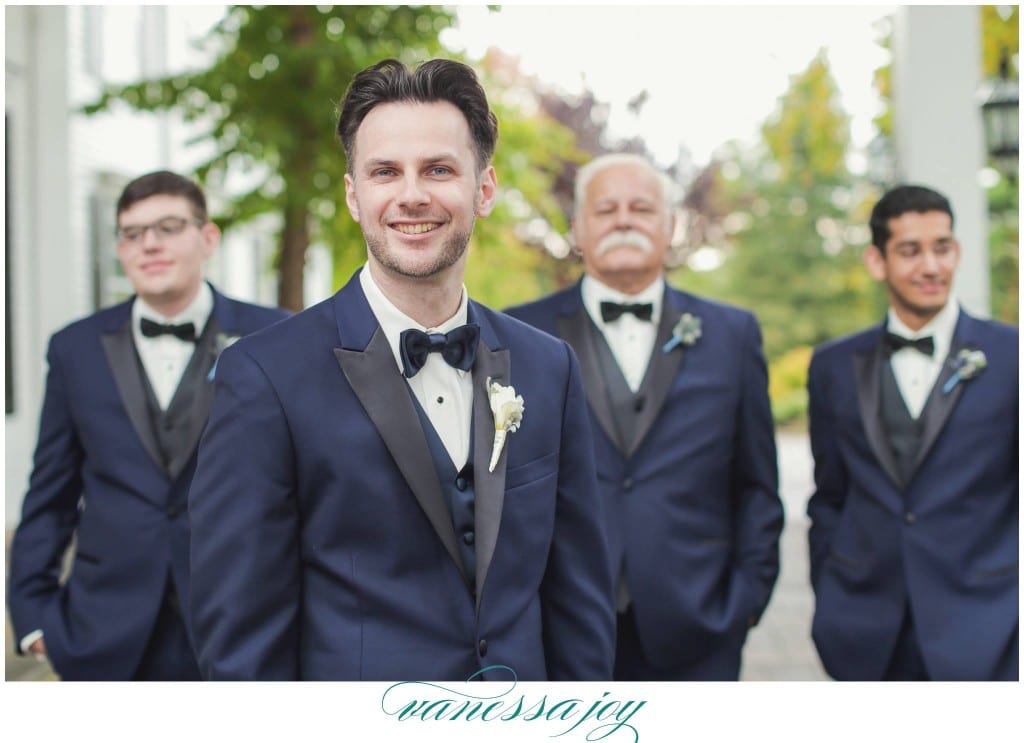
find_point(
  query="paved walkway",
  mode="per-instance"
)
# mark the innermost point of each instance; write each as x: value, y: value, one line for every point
x: 778, y: 649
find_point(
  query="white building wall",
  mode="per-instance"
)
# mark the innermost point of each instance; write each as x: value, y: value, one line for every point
x: 45, y: 292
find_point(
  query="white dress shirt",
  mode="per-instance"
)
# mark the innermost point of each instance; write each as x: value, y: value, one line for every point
x: 630, y: 339
x: 444, y: 392
x: 165, y: 357
x: 916, y: 373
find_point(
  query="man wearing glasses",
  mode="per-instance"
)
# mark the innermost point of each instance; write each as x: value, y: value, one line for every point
x: 127, y: 397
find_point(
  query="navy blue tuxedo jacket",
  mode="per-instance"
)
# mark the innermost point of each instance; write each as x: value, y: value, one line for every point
x: 322, y: 544
x: 98, y: 474
x: 946, y: 541
x: 692, y: 508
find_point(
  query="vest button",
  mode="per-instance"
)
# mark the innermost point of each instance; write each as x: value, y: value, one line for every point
x: 469, y: 537
x: 909, y: 518
x: 460, y: 483
x: 173, y: 511
x: 482, y: 648
x: 627, y: 484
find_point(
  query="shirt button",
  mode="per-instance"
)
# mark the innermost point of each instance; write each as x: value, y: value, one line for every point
x: 909, y: 518
x: 482, y: 647
x: 469, y: 537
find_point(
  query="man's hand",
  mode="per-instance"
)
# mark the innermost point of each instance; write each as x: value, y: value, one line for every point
x: 38, y: 649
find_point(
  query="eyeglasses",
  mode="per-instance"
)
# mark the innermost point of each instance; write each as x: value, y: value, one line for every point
x: 165, y: 227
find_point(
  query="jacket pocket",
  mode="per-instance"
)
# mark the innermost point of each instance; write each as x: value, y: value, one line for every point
x: 999, y: 572
x: 842, y: 559
x: 86, y: 557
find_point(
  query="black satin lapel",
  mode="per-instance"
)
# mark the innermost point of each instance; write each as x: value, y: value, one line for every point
x: 939, y: 405
x: 867, y: 369
x: 384, y: 394
x: 662, y: 371
x: 120, y: 351
x: 573, y: 330
x: 198, y: 371
x: 489, y: 486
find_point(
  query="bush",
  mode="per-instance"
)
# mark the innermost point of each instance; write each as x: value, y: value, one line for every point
x: 787, y: 386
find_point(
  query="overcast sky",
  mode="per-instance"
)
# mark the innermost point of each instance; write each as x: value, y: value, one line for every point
x: 713, y: 73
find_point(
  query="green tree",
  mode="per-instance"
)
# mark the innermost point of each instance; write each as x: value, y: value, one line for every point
x: 794, y: 231
x: 794, y: 223
x: 268, y: 103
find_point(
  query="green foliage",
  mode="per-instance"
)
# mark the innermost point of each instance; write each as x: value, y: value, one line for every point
x: 787, y: 385
x: 1004, y: 250
x: 795, y: 224
x: 1000, y: 31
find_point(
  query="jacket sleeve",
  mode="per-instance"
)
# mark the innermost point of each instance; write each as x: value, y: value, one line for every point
x: 826, y: 503
x: 244, y: 520
x: 758, y: 509
x: 577, y: 590
x: 50, y: 510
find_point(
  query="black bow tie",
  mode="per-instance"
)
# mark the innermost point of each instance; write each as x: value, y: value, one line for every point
x: 894, y: 343
x: 457, y: 347
x: 612, y: 311
x: 186, y: 331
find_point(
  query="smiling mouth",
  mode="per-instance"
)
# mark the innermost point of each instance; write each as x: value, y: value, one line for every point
x: 416, y: 229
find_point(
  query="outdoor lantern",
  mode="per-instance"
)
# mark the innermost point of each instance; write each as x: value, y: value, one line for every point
x: 1000, y: 113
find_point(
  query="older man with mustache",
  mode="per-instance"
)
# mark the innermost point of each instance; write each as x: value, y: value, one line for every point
x: 678, y: 399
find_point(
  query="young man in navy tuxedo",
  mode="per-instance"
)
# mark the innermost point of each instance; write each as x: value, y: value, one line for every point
x: 398, y: 483
x: 127, y: 396
x: 678, y: 403
x: 914, y: 533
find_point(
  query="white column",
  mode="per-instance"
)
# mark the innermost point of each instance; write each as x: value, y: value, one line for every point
x: 938, y: 130
x: 45, y: 292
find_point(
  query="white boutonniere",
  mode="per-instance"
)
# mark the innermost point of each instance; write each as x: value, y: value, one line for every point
x: 970, y: 362
x: 507, y: 408
x: 686, y: 332
x: 223, y: 341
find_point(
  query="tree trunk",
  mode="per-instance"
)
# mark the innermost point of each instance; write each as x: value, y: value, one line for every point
x: 292, y: 260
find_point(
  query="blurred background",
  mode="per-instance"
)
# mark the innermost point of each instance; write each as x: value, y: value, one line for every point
x: 780, y: 125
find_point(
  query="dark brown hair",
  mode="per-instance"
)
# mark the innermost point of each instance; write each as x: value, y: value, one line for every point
x: 163, y: 182
x: 390, y: 81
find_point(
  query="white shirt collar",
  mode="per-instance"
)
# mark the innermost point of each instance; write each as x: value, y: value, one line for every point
x: 940, y: 327
x: 393, y: 321
x: 594, y: 292
x: 197, y: 312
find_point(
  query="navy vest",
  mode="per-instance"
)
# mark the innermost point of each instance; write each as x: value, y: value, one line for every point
x: 459, y: 491
x: 626, y: 405
x: 171, y: 427
x: 903, y: 431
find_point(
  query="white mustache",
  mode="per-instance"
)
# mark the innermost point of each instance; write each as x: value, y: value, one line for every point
x: 625, y: 238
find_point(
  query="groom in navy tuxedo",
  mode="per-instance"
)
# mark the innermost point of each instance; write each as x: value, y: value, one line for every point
x: 398, y: 483
x: 127, y: 396
x: 914, y: 521
x: 677, y: 388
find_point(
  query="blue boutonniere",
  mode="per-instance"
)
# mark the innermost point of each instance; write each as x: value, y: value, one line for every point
x: 223, y: 341
x: 686, y: 332
x: 970, y: 362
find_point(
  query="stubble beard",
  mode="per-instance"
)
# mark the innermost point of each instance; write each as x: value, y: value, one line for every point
x: 453, y: 248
